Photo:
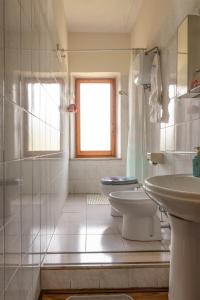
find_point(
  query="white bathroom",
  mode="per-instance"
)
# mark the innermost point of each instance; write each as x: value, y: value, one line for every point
x: 99, y: 149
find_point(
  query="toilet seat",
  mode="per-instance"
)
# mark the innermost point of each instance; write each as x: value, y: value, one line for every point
x: 119, y: 180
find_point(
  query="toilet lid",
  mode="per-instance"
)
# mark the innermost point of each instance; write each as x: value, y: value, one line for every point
x: 119, y: 180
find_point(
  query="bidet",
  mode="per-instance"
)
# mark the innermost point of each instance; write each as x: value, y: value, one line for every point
x: 140, y: 221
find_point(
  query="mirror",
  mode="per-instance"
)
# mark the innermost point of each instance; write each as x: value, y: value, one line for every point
x: 188, y: 57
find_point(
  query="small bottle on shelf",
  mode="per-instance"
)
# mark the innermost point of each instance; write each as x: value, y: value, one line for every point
x: 196, y: 163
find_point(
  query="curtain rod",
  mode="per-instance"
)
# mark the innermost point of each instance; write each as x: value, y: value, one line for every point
x: 154, y: 49
x: 97, y: 50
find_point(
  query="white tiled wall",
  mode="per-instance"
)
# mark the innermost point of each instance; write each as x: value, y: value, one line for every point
x: 106, y: 278
x: 33, y: 188
x: 85, y: 176
x: 181, y: 133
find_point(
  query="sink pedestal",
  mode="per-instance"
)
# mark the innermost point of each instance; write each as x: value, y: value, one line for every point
x: 180, y: 195
x: 184, y: 281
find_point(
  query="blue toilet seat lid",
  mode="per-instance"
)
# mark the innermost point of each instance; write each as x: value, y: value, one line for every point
x: 119, y: 180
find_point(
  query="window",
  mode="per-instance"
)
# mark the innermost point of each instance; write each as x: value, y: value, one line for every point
x: 95, y: 119
x: 43, y: 124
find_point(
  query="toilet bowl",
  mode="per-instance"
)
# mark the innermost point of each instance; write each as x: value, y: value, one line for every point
x: 117, y: 183
x: 140, y: 221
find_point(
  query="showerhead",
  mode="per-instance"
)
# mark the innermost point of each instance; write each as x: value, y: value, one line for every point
x: 123, y: 93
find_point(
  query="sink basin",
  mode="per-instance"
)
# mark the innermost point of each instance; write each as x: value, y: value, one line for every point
x: 179, y: 194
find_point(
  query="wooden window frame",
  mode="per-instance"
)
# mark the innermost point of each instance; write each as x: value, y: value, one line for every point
x: 93, y: 154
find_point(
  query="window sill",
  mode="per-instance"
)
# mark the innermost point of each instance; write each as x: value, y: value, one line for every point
x: 95, y: 158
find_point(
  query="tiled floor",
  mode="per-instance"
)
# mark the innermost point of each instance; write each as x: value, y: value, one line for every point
x: 90, y: 228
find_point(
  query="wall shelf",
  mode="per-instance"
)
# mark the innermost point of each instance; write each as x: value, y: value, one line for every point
x: 193, y: 93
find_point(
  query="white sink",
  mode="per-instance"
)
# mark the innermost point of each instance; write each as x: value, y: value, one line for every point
x: 180, y: 195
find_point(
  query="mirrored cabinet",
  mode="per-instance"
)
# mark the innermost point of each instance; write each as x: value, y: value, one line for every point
x: 188, y: 57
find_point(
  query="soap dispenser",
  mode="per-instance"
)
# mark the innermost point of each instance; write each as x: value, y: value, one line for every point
x: 196, y: 163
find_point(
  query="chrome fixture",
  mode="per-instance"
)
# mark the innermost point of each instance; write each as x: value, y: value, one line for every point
x: 123, y: 93
x: 153, y: 50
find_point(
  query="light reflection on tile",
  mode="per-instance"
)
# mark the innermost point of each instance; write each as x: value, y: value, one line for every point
x: 71, y: 217
x: 102, y: 228
x: 83, y: 258
x: 67, y: 243
x: 103, y: 243
x: 71, y: 228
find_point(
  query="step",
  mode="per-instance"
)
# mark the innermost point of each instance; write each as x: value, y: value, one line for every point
x: 95, y: 271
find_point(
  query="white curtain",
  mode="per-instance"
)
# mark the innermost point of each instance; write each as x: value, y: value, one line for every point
x: 137, y: 136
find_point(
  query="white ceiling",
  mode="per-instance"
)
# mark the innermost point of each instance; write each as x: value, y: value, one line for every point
x: 101, y: 15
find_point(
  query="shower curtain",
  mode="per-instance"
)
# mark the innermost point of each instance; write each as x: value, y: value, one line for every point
x: 136, y: 150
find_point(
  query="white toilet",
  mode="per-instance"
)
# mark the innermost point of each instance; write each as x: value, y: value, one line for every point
x: 140, y: 221
x: 118, y: 183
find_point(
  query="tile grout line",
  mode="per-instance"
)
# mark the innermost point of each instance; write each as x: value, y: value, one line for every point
x: 86, y: 239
